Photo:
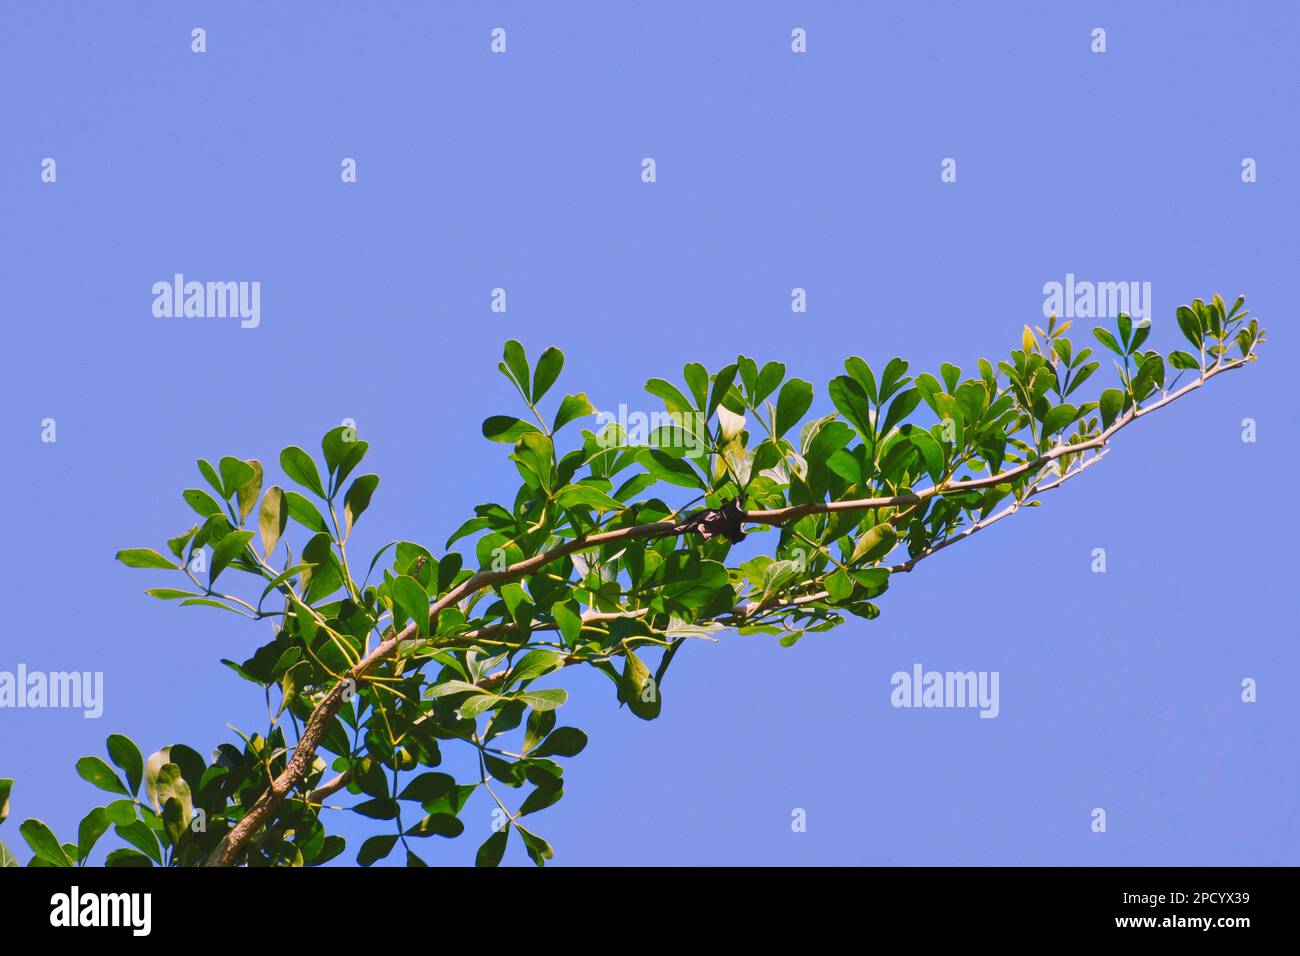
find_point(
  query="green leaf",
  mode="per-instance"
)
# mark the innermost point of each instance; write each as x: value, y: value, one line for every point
x: 170, y: 784
x: 571, y: 409
x: 1058, y: 418
x: 569, y: 620
x: 272, y: 518
x: 210, y: 475
x: 1108, y: 340
x: 493, y: 848
x: 326, y: 575
x: 548, y: 699
x: 931, y: 451
x: 203, y: 503
x: 875, y: 543
x: 1124, y: 322
x: 304, y: 512
x: 428, y: 786
x: 376, y: 848
x: 777, y: 576
x: 233, y: 474
x: 892, y: 379
x: 357, y: 500
x: 792, y: 403
x: 96, y: 771
x: 205, y: 602
x: 145, y: 558
x: 540, y: 723
x: 177, y: 544
x: 1191, y: 326
x: 900, y: 408
x: 548, y: 369
x: 289, y: 681
x: 767, y: 454
x: 300, y: 467
x: 768, y: 379
x: 127, y: 858
x: 949, y: 409
x: 574, y: 496
x: 170, y: 594
x: 1183, y: 360
x: 535, y: 456
x: 6, y: 786
x: 849, y: 397
x: 225, y: 551
x: 697, y: 380
x: 1142, y: 330
x: 437, y: 824
x: 412, y: 601
x: 1112, y: 401
x: 336, y: 445
x: 1082, y: 376
x: 540, y: 799
x: 447, y: 687
x: 138, y: 834
x: 247, y: 491
x: 873, y: 579
x: 354, y: 451
x: 380, y: 808
x: 474, y: 706
x: 634, y: 486
x: 672, y: 397
x: 562, y: 742
x: 507, y: 428
x: 174, y: 822
x: 860, y: 372
x: 675, y: 471
x: 1151, y: 375
x: 721, y: 385
x: 539, y: 851
x: 7, y: 858
x: 516, y: 361
x: 511, y: 773
x: 839, y: 586
x: 638, y: 688
x: 44, y: 843
x: 126, y: 754
x: 929, y: 386
x: 120, y: 812
x: 534, y: 664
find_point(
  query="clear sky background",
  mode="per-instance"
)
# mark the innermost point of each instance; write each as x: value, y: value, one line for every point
x: 775, y: 170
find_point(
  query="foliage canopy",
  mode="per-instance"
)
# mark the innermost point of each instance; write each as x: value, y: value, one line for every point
x: 589, y: 564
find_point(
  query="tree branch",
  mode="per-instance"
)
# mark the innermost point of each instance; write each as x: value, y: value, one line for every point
x: 233, y: 843
x: 993, y: 519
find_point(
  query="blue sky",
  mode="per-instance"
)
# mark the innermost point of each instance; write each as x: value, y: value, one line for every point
x: 774, y: 170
